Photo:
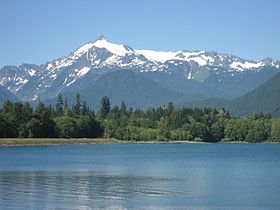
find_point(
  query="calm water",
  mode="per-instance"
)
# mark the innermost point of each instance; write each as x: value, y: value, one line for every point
x: 142, y: 176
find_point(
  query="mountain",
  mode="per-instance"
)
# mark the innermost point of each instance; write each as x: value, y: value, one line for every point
x: 265, y: 98
x: 6, y: 95
x: 134, y: 89
x: 14, y: 78
x: 197, y: 74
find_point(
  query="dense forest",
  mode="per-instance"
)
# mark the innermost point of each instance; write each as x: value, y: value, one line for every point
x: 265, y: 98
x: 19, y: 120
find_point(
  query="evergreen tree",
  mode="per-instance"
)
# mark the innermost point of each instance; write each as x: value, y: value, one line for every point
x: 5, y: 127
x: 105, y: 107
x: 77, y: 107
x: 123, y: 109
x: 169, y: 108
x: 68, y: 112
x: 59, y: 105
x: 84, y: 109
x: 44, y: 125
x: 27, y: 111
x: 167, y: 123
x: 65, y: 103
x: 164, y: 133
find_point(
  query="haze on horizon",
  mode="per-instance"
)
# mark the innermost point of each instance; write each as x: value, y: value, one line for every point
x: 40, y: 31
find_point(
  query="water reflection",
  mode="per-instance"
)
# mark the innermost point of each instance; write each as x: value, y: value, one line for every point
x: 210, y: 176
x: 80, y: 189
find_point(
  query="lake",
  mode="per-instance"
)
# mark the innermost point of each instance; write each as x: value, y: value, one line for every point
x: 141, y: 176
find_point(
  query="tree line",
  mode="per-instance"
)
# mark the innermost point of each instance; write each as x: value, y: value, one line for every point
x: 19, y: 120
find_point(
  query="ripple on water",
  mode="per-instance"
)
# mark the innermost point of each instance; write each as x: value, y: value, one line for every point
x: 67, y: 189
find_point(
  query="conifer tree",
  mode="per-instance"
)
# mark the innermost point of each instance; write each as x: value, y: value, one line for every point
x: 105, y: 107
x: 77, y: 107
x: 59, y: 105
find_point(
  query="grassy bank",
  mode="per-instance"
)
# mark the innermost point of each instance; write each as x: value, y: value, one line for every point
x: 54, y: 141
x: 60, y: 141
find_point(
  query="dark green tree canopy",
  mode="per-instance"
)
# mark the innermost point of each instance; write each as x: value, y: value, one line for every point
x: 105, y: 107
x: 165, y: 123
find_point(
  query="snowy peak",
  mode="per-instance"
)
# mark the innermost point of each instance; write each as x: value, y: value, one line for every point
x: 83, y: 49
x: 103, y: 43
x: 241, y: 65
x: 157, y: 56
x: 270, y: 61
x: 204, y: 58
x: 14, y: 78
x: 103, y: 53
x: 100, y: 56
x: 116, y: 49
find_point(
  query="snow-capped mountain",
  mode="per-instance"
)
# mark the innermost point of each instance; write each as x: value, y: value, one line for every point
x: 14, y: 78
x: 85, y: 65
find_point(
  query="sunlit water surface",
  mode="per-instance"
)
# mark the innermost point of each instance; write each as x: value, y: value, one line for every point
x: 141, y: 176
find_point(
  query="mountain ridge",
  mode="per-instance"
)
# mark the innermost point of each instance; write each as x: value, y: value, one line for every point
x: 6, y: 95
x: 265, y: 99
x: 88, y: 62
x: 136, y: 90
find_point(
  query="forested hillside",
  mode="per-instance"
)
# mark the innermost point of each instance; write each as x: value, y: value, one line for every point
x: 136, y: 90
x: 265, y: 98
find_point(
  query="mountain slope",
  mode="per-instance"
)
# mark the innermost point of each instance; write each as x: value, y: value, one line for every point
x: 134, y: 89
x: 14, y: 78
x: 192, y: 89
x: 265, y: 98
x: 199, y: 73
x: 239, y: 84
x: 6, y: 95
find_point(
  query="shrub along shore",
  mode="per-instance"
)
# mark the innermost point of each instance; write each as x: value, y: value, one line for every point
x: 78, y: 124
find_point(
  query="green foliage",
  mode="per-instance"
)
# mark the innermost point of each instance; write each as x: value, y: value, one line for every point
x: 59, y: 105
x: 217, y: 130
x: 181, y: 135
x: 5, y: 127
x: 105, y: 107
x: 164, y: 132
x: 16, y: 115
x: 41, y: 125
x: 33, y: 129
x: 236, y: 129
x: 275, y: 131
x: 77, y: 106
x: 197, y: 130
x: 165, y: 123
x: 258, y: 131
x: 67, y: 127
x: 263, y: 101
x: 136, y: 90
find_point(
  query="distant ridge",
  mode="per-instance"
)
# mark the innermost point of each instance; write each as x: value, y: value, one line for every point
x: 195, y: 74
x: 265, y: 98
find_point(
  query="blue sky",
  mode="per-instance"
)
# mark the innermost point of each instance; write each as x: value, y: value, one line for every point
x: 36, y: 31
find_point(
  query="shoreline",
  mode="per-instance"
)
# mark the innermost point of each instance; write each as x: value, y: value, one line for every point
x: 18, y: 142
